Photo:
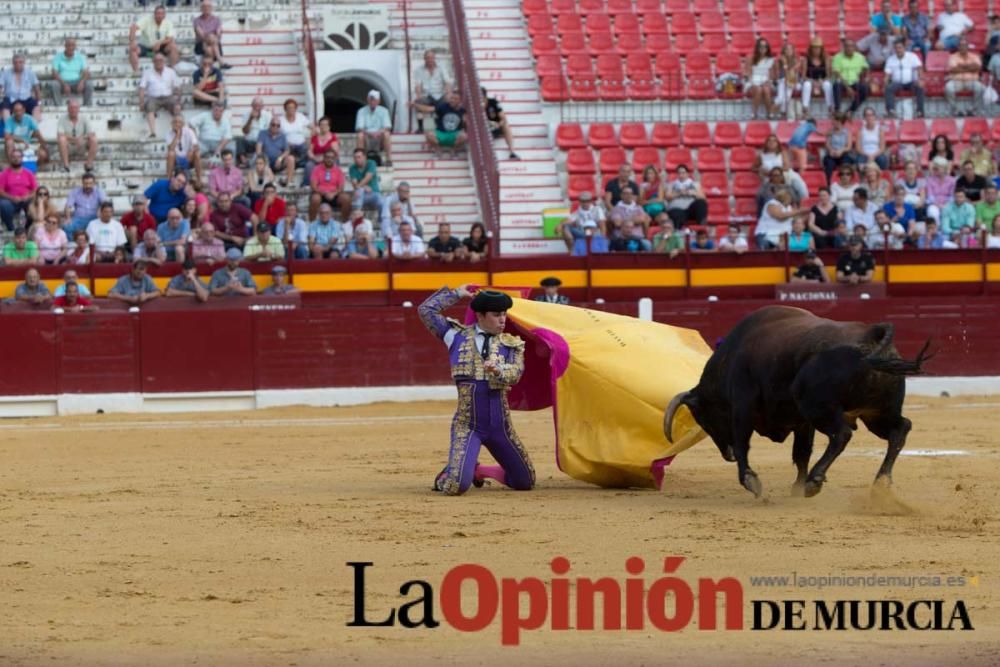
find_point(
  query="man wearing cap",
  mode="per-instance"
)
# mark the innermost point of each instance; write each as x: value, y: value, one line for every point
x: 187, y: 283
x: 551, y: 294
x: 857, y: 264
x: 587, y: 220
x: 374, y: 127
x: 263, y: 246
x: 811, y: 270
x: 279, y: 282
x: 232, y: 279
x: 135, y: 287
x: 485, y: 364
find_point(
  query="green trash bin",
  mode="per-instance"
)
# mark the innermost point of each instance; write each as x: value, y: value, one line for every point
x: 550, y: 218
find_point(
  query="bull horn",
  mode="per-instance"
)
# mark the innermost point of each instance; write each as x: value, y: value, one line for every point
x: 668, y: 419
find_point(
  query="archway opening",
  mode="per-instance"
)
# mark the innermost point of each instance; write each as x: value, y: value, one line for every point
x: 343, y: 98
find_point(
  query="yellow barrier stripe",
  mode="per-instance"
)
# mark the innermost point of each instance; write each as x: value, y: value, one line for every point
x: 569, y: 278
x: 637, y: 277
x: 993, y: 272
x: 432, y: 281
x: 935, y: 273
x: 757, y: 275
x: 342, y: 282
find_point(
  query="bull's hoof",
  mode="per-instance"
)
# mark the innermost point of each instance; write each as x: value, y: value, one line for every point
x: 798, y: 490
x: 728, y: 455
x: 812, y: 487
x: 752, y: 483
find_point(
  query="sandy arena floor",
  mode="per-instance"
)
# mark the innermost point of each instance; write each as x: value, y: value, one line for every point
x: 222, y: 539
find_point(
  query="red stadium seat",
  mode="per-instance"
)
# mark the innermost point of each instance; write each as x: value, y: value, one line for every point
x: 626, y: 24
x: 766, y: 6
x: 655, y: 25
x: 613, y: 90
x: 785, y: 130
x: 745, y: 184
x: 814, y: 180
x: 741, y: 158
x: 580, y: 161
x: 756, y: 132
x: 936, y: 72
x: 588, y: 7
x: 745, y: 210
x: 796, y: 7
x: 728, y: 134
x: 800, y: 40
x: 532, y: 7
x: 578, y: 65
x: 601, y: 43
x: 639, y: 65
x: 583, y: 89
x: 569, y: 23
x: 797, y: 22
x: 996, y: 129
x: 611, y: 159
x: 698, y: 63
x: 828, y: 22
x: 644, y: 7
x: 570, y: 135
x: 616, y: 7
x: 739, y: 21
x: 645, y: 156
x: 633, y: 135
x: 554, y: 89
x: 730, y: 6
x: 559, y: 7
x: 598, y: 23
x: 549, y: 65
x: 643, y: 89
x: 713, y: 42
x: 711, y: 158
x: 711, y: 21
x: 573, y: 43
x: 696, y: 134
x: 602, y: 135
x: 540, y: 24
x: 666, y: 135
x: 700, y: 88
x: 975, y: 126
x: 826, y: 6
x: 946, y: 126
x: 687, y: 42
x: 674, y: 6
x: 742, y: 42
x: 609, y: 66
x: 857, y: 7
x: 542, y: 45
x: 683, y: 23
x: 668, y: 63
x: 718, y: 214
x: 580, y: 183
x: 677, y: 156
x: 768, y: 22
x: 715, y: 184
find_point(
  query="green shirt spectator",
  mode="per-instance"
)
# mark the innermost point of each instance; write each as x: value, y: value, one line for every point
x: 274, y: 246
x: 12, y: 252
x: 849, y: 68
x: 986, y: 212
x: 355, y: 173
x: 673, y: 241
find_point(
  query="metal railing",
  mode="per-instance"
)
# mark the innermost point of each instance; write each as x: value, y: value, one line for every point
x: 309, y: 53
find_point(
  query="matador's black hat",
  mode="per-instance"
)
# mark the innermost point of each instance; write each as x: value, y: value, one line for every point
x: 551, y: 281
x: 489, y: 301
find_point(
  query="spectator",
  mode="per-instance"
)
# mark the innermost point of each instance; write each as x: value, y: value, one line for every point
x: 993, y: 240
x: 667, y: 240
x: 956, y: 214
x: 257, y: 120
x: 182, y: 148
x: 823, y: 220
x: 628, y: 209
x: 886, y: 230
x: 214, y: 132
x: 811, y: 270
x: 931, y: 239
x: 327, y: 185
x: 152, y: 35
x: 136, y: 287
x: 80, y: 253
x: 374, y: 127
x: 70, y: 74
x: 33, y: 291
x: 257, y: 178
x: 940, y: 187
x: 53, y: 243
x: 166, y: 194
x: 788, y: 73
x: 402, y: 197
x: 270, y: 208
x: 263, y: 246
x: 20, y: 129
x: 174, y: 234
x: 651, y: 191
x: 758, y: 74
x: 120, y: 256
x: 72, y: 299
x: 876, y: 186
x: 817, y: 69
x: 21, y: 251
x: 702, y: 242
x: 105, y: 233
x: 971, y: 183
x: 733, y: 241
x: 876, y: 47
x: 915, y: 187
x: 966, y: 238
x: 20, y: 84
x: 861, y: 212
x: 885, y: 19
x: 83, y: 202
x: 187, y: 283
x: 151, y: 249
x: 496, y: 119
x: 850, y: 71
x: 798, y: 144
x: 898, y: 211
x: 477, y: 244
x: 444, y: 246
x: 364, y: 179
x: 856, y: 265
x: 327, y: 237
x: 358, y: 223
x: 775, y: 181
x: 685, y: 199
x: 274, y: 145
x: 17, y: 189
x: 771, y: 156
x: 629, y: 238
x: 322, y: 141
x: 232, y: 221
x: 988, y: 208
x: 40, y: 209
x: 206, y: 248
x: 137, y: 221
x: 869, y: 142
x: 232, y: 279
x: 71, y: 276
x: 902, y: 72
x: 449, y: 123
x: 614, y: 187
x: 587, y: 221
x: 209, y: 84
x: 775, y: 221
x: 941, y: 148
x: 76, y: 136
x: 407, y: 245
x: 292, y: 228
x: 159, y: 88
x: 279, y: 282
x: 952, y: 26
x: 917, y: 27
x: 838, y: 145
x: 799, y: 239
x: 963, y: 76
x: 361, y: 247
x: 227, y: 178
x: 550, y: 292
x: 295, y: 126
x: 980, y: 157
x: 430, y: 86
x: 208, y: 34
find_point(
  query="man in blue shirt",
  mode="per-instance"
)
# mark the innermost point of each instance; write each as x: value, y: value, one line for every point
x: 174, y: 234
x: 273, y: 145
x: 917, y: 27
x: 19, y: 83
x: 166, y: 194
x: 20, y: 129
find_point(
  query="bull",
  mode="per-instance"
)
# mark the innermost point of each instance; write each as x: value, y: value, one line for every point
x: 784, y: 370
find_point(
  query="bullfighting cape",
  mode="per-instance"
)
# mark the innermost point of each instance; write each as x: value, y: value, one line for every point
x: 608, y: 379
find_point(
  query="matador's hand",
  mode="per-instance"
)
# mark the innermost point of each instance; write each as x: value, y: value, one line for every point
x: 463, y: 291
x: 490, y: 366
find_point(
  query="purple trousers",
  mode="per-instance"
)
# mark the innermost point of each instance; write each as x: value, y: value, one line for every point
x: 483, y: 418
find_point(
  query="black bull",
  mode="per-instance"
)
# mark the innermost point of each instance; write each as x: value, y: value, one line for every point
x: 784, y: 370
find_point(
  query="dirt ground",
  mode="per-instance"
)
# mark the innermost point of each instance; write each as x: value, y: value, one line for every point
x: 219, y: 539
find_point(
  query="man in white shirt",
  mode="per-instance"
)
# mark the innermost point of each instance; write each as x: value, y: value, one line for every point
x: 214, y: 131
x: 374, y: 127
x: 257, y: 119
x: 431, y: 84
x: 182, y: 147
x: 861, y: 212
x: 952, y: 25
x: 407, y: 245
x: 587, y: 220
x: 402, y: 197
x: 158, y: 89
x: 902, y: 72
x: 105, y: 233
x: 151, y: 35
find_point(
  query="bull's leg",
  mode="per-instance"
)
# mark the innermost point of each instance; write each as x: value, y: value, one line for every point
x: 838, y: 440
x: 896, y: 435
x: 802, y: 448
x: 742, y: 430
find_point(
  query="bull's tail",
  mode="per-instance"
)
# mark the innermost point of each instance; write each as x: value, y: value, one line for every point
x: 897, y: 366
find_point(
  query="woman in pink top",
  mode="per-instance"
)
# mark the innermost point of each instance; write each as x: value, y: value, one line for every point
x: 940, y: 187
x: 51, y: 240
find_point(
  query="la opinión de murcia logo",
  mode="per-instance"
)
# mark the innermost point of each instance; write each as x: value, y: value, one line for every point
x: 668, y: 603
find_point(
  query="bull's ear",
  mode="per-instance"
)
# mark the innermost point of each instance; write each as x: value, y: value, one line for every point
x: 879, y: 336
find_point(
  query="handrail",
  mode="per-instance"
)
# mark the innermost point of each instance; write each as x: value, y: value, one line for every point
x: 310, y: 54
x: 409, y: 66
x: 481, y: 153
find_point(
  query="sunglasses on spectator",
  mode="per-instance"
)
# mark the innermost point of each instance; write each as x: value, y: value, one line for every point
x: 43, y: 193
